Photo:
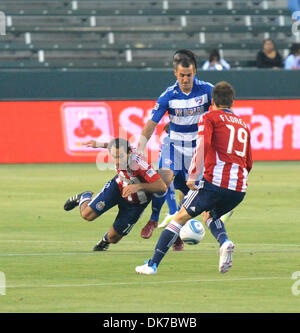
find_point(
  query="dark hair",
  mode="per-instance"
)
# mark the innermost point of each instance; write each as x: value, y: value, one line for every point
x: 214, y: 54
x: 223, y: 94
x: 181, y: 54
x: 269, y: 40
x: 294, y: 48
x: 118, y: 143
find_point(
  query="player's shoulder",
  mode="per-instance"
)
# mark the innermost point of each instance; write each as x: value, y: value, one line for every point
x: 200, y: 84
x: 137, y: 161
x: 215, y: 114
x: 170, y: 91
x: 228, y: 116
x: 211, y: 115
x: 205, y: 115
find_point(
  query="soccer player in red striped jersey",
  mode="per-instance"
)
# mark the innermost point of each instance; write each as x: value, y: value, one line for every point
x: 130, y: 189
x: 221, y: 161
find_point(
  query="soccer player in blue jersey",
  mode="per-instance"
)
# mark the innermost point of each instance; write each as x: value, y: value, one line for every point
x: 184, y: 101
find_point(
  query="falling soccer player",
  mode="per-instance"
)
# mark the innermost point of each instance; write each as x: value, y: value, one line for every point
x: 131, y: 189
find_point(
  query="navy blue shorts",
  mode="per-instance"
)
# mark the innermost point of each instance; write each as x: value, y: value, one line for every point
x: 217, y: 200
x: 128, y: 214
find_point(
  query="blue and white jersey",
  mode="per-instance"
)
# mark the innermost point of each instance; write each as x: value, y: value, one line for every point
x: 184, y: 109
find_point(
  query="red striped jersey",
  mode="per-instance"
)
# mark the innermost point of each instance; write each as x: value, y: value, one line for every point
x: 223, y: 146
x: 138, y: 171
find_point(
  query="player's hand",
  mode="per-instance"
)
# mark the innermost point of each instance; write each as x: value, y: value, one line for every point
x: 130, y: 189
x: 191, y: 184
x: 91, y: 144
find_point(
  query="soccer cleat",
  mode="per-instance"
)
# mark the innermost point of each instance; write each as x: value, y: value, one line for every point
x: 226, y: 251
x: 226, y: 216
x: 148, y: 229
x: 145, y: 269
x: 166, y: 221
x: 74, y: 201
x: 178, y: 245
x: 102, y: 245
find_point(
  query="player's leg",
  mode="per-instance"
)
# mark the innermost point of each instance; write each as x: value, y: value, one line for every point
x: 91, y: 208
x: 195, y: 202
x: 171, y: 199
x: 230, y: 199
x: 127, y: 217
x: 180, y: 184
x: 158, y: 199
x: 110, y: 237
x: 224, y: 218
x: 166, y: 172
x: 172, y: 205
x: 166, y: 240
x: 82, y: 200
x: 74, y: 201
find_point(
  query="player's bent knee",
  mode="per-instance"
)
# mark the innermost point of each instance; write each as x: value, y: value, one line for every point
x: 88, y: 214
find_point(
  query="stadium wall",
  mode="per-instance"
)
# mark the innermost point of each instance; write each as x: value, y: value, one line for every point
x: 132, y: 84
x: 46, y: 116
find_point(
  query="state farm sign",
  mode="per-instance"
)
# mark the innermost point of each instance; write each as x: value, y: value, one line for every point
x: 53, y: 131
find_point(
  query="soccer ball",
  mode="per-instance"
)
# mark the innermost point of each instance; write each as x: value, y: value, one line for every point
x: 192, y: 232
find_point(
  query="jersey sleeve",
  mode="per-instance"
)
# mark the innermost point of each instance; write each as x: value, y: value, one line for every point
x: 159, y: 109
x: 249, y: 160
x: 150, y: 175
x: 210, y: 88
x: 145, y: 170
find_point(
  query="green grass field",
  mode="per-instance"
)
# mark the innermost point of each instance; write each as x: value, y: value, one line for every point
x: 47, y: 258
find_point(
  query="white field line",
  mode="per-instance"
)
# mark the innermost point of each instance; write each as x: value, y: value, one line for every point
x: 257, y: 245
x: 105, y: 284
x: 145, y: 250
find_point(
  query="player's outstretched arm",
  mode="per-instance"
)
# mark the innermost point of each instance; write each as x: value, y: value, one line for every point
x: 146, y: 134
x: 155, y: 187
x: 95, y: 144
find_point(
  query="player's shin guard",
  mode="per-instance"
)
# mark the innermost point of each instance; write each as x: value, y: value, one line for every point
x: 217, y: 229
x: 166, y: 240
x: 158, y: 199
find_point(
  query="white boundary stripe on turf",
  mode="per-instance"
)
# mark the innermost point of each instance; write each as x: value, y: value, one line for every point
x: 105, y: 284
x: 138, y: 251
x: 131, y: 242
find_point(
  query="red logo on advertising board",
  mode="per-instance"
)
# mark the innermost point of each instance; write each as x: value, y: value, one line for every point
x: 84, y: 121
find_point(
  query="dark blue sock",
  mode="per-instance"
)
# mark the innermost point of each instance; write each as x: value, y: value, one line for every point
x: 157, y: 202
x: 217, y: 228
x: 171, y: 200
x: 166, y: 240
